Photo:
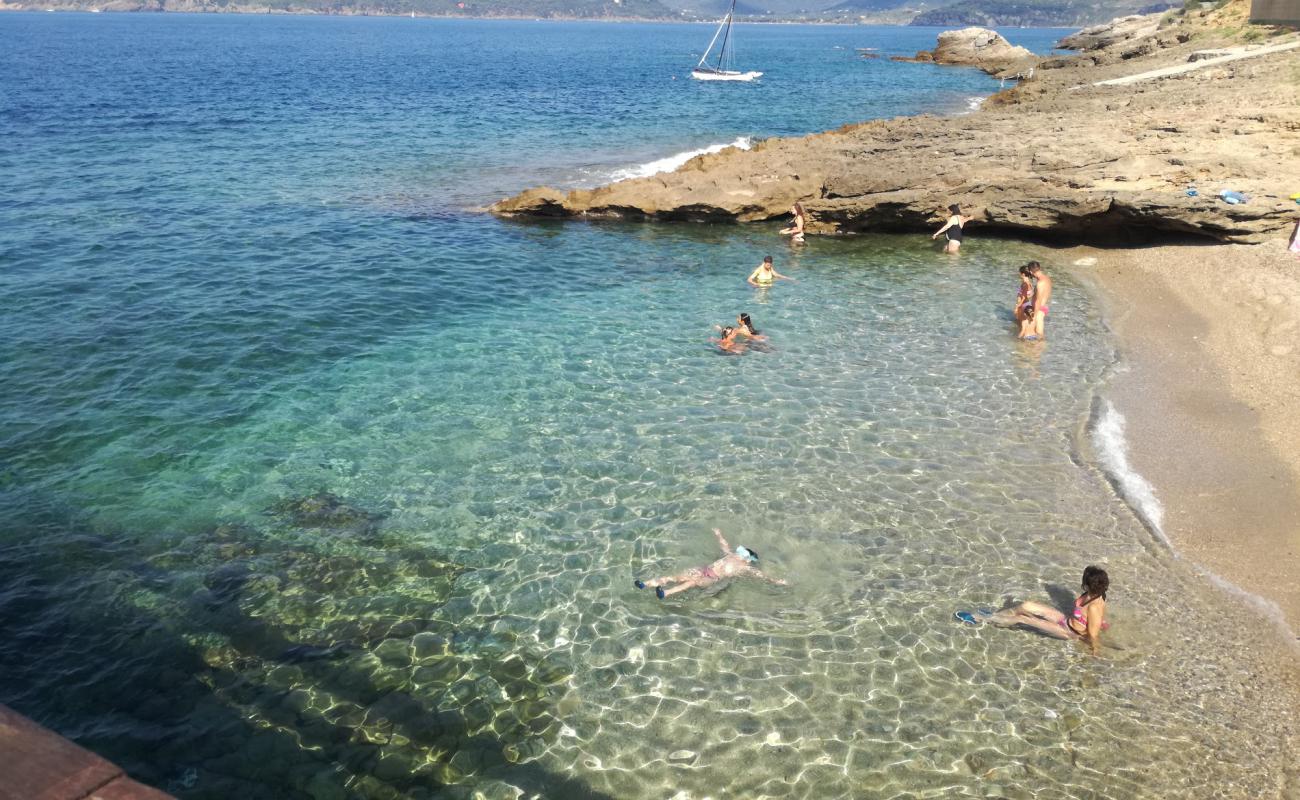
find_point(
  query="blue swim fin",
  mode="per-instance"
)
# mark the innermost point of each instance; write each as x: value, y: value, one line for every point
x: 638, y: 583
x: 659, y: 592
x: 966, y: 617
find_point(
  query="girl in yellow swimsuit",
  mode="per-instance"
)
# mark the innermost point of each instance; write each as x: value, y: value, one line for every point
x: 765, y: 274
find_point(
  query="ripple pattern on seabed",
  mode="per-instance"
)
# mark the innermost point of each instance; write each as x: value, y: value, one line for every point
x: 532, y: 457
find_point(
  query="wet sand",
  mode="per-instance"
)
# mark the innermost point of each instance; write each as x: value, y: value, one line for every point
x: 1210, y: 388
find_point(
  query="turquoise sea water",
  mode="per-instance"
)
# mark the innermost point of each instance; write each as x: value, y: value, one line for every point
x: 318, y: 483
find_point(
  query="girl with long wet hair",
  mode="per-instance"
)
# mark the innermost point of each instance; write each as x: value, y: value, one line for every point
x: 795, y: 231
x: 1085, y: 621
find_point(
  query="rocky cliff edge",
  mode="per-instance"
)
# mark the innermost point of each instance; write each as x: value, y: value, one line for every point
x: 1057, y: 156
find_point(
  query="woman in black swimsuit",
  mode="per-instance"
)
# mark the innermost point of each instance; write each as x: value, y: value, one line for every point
x: 953, y: 229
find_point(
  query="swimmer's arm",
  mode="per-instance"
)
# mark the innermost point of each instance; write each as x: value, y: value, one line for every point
x: 757, y: 573
x: 782, y: 277
x: 753, y: 275
x: 945, y: 227
x: 1095, y: 613
x: 722, y: 541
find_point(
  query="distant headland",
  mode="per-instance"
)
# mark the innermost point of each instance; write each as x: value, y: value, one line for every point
x: 1008, y: 13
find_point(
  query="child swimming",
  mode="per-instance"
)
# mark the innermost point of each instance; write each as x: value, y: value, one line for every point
x: 728, y: 343
x: 744, y: 327
x: 736, y: 563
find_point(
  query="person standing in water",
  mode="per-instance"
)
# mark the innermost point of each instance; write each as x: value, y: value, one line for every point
x: 738, y: 563
x: 1042, y: 296
x: 765, y: 274
x: 795, y: 231
x: 1085, y: 621
x: 1027, y: 325
x: 1025, y: 296
x: 952, y: 229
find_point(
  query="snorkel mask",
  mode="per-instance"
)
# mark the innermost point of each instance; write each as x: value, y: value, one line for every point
x: 747, y: 554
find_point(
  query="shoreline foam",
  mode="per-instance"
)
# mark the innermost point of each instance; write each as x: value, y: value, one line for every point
x: 1208, y: 393
x: 672, y: 162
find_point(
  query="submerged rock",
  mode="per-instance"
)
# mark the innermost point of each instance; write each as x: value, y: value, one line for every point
x: 310, y: 652
x: 225, y: 583
x: 325, y: 510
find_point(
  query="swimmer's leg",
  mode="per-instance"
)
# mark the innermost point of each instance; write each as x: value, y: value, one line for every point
x: 1052, y: 629
x: 1032, y: 608
x: 657, y: 582
x: 1042, y: 618
x: 681, y: 587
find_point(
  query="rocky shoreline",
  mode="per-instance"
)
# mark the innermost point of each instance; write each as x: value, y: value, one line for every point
x: 1055, y: 157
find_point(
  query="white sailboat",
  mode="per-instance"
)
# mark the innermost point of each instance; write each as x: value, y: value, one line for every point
x: 719, y: 71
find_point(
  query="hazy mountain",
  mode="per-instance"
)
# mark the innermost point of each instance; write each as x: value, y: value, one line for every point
x: 1063, y: 13
x: 1042, y: 13
x: 714, y: 9
x: 879, y: 5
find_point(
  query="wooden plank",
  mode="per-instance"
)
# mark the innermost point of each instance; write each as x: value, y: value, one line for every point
x: 127, y: 789
x: 38, y: 764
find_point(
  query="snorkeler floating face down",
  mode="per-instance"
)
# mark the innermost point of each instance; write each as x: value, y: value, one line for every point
x: 735, y: 563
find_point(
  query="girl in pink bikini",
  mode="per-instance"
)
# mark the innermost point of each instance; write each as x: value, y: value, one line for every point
x: 1085, y: 621
x: 1025, y: 296
x: 736, y: 563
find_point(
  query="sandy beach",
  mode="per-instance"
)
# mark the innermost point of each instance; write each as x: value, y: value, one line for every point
x: 1209, y: 388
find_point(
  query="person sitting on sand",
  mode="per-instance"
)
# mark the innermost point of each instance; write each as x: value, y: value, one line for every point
x: 765, y: 274
x: 738, y: 563
x: 952, y: 229
x: 1025, y: 296
x: 795, y: 231
x: 728, y: 343
x: 1042, y: 296
x: 1085, y: 621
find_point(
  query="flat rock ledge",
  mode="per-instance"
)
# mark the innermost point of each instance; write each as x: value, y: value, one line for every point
x: 1054, y: 157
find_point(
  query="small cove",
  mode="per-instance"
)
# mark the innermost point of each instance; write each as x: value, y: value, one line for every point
x: 525, y: 416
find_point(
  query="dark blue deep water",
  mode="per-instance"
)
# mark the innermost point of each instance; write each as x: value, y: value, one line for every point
x: 317, y: 482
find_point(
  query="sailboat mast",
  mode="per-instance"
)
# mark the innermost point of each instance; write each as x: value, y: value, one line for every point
x: 723, y: 50
x: 712, y: 41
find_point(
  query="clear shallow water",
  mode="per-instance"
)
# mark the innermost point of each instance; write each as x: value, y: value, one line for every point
x: 238, y: 274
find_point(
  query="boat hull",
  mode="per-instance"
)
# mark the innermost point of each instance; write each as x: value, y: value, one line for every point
x: 723, y: 75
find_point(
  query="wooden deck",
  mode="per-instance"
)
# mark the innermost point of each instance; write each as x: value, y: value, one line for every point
x: 37, y: 764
